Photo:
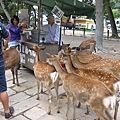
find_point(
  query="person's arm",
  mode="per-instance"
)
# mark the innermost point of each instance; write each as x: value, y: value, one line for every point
x: 44, y: 27
x: 16, y: 29
x: 57, y: 34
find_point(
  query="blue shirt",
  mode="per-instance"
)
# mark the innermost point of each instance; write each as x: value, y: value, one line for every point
x: 53, y: 32
x: 3, y: 34
x: 14, y: 32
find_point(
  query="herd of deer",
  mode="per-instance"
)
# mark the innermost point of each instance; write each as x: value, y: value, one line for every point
x: 86, y: 78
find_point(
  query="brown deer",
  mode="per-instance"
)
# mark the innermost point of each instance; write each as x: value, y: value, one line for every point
x: 89, y: 58
x: 82, y: 52
x: 65, y: 48
x: 12, y: 61
x: 86, y: 44
x: 43, y: 72
x: 91, y: 91
x: 109, y: 65
x: 109, y: 79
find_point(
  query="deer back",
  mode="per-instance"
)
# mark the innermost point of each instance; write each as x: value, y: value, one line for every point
x: 11, y: 58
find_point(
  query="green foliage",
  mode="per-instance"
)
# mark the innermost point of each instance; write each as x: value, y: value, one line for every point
x: 12, y: 7
x: 116, y: 13
x: 115, y: 10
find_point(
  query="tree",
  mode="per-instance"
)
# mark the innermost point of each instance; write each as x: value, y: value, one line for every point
x: 99, y: 24
x: 4, y: 9
x: 111, y: 18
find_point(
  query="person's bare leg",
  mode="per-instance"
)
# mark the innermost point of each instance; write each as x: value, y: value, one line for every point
x: 5, y: 101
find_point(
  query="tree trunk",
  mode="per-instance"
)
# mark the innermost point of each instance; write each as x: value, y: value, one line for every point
x: 4, y: 9
x: 112, y: 21
x: 99, y: 24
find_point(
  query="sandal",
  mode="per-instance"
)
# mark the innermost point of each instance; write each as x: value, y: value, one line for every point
x: 8, y: 115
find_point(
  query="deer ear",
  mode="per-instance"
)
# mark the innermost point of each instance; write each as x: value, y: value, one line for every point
x: 42, y: 47
x: 48, y: 55
x: 68, y: 44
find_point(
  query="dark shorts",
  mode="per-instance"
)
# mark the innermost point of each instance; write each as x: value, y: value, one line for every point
x: 3, y: 85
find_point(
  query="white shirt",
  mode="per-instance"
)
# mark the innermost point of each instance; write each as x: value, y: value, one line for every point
x: 53, y: 32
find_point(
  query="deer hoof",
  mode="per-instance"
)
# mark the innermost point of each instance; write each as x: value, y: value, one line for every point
x: 79, y: 105
x: 37, y: 98
x: 87, y: 113
x: 49, y: 113
x: 58, y: 111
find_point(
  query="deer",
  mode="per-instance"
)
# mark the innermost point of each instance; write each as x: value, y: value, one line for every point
x: 85, y: 90
x: 108, y: 65
x: 45, y: 72
x: 65, y: 48
x: 88, y: 58
x: 109, y: 79
x: 86, y: 44
x: 11, y: 58
x: 81, y: 52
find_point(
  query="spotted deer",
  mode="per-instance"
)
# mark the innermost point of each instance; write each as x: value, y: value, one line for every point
x: 44, y: 72
x: 109, y: 79
x: 86, y: 44
x: 109, y: 65
x: 88, y: 58
x: 86, y: 90
x: 65, y: 48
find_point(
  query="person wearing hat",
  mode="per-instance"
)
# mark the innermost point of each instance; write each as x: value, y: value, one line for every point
x: 52, y: 29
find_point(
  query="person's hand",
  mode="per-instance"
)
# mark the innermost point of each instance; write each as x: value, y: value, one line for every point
x: 24, y: 25
x: 19, y: 25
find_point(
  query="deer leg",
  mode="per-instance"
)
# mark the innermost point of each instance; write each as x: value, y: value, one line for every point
x: 41, y: 87
x: 38, y: 87
x: 48, y: 86
x: 56, y: 84
x: 108, y: 115
x: 15, y: 71
x: 79, y: 105
x: 116, y: 110
x: 88, y: 111
x: 68, y: 105
x: 12, y: 70
x: 74, y: 116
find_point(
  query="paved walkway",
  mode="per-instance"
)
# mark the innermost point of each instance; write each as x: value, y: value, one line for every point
x: 23, y: 98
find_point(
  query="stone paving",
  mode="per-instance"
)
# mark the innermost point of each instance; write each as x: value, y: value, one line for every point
x: 23, y: 97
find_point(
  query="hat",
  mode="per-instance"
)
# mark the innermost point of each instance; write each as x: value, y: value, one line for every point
x: 50, y: 18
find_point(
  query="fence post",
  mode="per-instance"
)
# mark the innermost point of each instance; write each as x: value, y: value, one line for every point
x: 108, y: 34
x: 64, y: 30
x: 73, y: 31
x: 84, y: 32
